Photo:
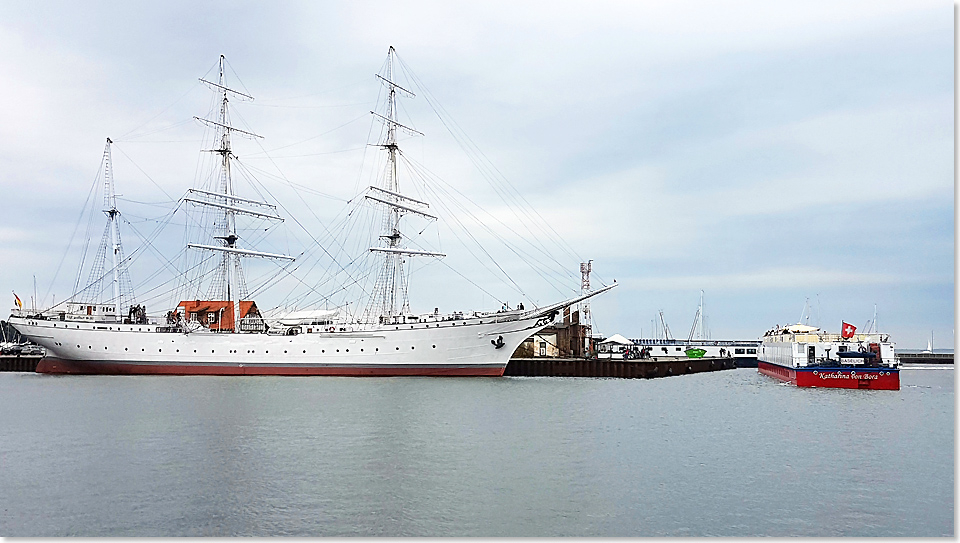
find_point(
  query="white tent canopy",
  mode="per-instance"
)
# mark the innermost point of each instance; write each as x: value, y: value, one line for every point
x: 616, y: 339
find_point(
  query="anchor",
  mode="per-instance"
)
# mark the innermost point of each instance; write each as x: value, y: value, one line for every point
x: 498, y: 343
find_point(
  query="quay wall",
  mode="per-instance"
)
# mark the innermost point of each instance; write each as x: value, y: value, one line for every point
x: 26, y: 363
x: 925, y: 358
x: 535, y: 367
x: 625, y: 369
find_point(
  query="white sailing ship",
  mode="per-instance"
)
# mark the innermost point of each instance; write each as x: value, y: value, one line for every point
x: 102, y: 330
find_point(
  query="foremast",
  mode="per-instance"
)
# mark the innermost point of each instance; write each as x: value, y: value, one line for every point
x: 391, y: 288
x: 229, y: 283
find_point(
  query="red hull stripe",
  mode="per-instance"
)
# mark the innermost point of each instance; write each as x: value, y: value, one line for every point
x: 56, y: 365
x: 865, y: 378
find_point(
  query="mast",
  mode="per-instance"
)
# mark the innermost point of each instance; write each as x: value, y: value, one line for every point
x: 120, y: 288
x: 229, y: 283
x: 666, y: 329
x: 111, y: 211
x: 392, y: 284
x: 697, y: 321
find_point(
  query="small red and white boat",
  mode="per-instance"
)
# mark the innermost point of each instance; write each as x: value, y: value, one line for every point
x: 809, y: 357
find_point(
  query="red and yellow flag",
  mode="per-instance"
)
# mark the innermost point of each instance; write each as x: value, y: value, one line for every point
x: 16, y: 299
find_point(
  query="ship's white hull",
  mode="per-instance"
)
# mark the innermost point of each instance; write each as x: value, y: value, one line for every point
x: 463, y: 347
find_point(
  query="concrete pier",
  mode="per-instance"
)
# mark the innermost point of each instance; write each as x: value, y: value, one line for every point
x: 626, y: 369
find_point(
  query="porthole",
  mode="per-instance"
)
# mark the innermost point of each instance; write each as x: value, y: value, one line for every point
x: 338, y: 350
x: 434, y: 346
x: 104, y: 347
x: 348, y: 350
x: 411, y: 347
x: 321, y: 351
x: 78, y: 346
x: 398, y: 348
x: 284, y: 352
x: 125, y: 349
x: 304, y: 352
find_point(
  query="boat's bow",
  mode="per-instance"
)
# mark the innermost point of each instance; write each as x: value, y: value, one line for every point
x: 552, y: 309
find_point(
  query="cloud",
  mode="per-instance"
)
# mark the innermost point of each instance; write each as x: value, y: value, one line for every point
x: 678, y: 144
x: 809, y: 278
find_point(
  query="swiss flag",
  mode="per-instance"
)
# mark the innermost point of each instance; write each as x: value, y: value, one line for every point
x: 847, y: 330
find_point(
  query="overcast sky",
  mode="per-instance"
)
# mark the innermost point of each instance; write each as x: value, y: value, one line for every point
x: 768, y: 153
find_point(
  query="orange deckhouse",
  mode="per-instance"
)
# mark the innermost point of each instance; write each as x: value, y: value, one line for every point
x: 216, y: 315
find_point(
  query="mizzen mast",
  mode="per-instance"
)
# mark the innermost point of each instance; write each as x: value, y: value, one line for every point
x: 121, y: 287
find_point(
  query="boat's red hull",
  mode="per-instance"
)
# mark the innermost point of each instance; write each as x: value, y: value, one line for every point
x: 57, y: 365
x: 862, y: 378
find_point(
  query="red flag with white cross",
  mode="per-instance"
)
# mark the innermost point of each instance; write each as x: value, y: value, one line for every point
x: 847, y: 330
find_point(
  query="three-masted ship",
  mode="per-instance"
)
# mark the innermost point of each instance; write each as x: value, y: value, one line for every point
x: 225, y: 333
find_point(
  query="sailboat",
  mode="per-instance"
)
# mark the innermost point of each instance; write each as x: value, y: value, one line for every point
x: 227, y: 334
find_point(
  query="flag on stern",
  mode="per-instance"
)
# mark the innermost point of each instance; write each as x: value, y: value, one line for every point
x: 847, y: 330
x: 16, y: 299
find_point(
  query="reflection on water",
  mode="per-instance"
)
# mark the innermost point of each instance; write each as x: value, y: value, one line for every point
x: 728, y: 453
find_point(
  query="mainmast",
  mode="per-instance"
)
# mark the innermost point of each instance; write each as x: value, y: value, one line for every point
x: 392, y: 282
x: 229, y: 283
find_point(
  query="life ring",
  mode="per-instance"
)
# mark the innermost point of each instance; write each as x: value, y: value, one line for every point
x: 332, y: 329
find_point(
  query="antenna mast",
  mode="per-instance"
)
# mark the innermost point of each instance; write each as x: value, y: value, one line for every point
x: 585, y: 317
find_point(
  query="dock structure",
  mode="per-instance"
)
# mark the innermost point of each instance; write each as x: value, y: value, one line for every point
x: 925, y: 358
x: 625, y: 369
x: 27, y: 363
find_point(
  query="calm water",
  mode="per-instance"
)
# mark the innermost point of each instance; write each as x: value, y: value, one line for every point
x: 731, y: 453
